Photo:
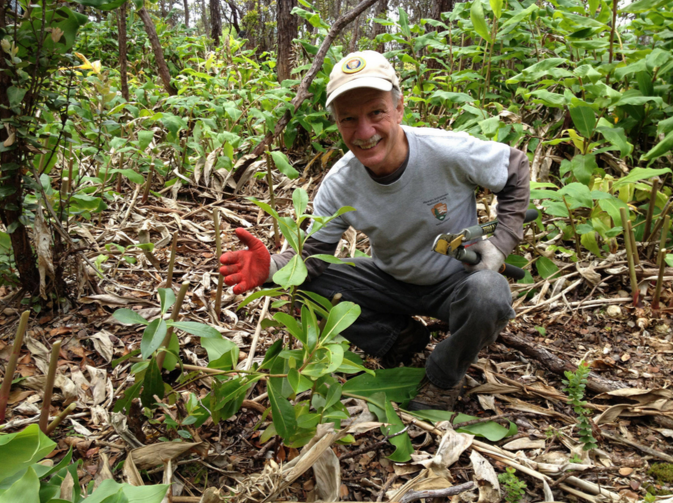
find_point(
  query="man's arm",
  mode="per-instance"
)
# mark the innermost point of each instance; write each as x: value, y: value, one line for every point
x: 513, y: 201
x: 311, y: 247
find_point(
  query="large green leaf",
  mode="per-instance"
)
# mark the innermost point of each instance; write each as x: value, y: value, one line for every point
x: 167, y: 298
x: 101, y: 4
x: 283, y: 164
x: 577, y: 195
x: 283, y: 413
x: 197, y: 329
x: 24, y: 490
x: 153, y: 336
x: 399, y: 384
x: 331, y: 259
x: 129, y: 317
x: 545, y: 267
x: 588, y: 240
x: 638, y: 174
x: 490, y: 430
x: 22, y: 449
x: 292, y: 274
x: 583, y: 166
x: 153, y: 385
x: 300, y: 201
x: 292, y: 326
x: 141, y: 494
x: 584, y: 119
x: 611, y: 206
x: 661, y: 148
x: 404, y: 449
x: 617, y: 137
x: 496, y: 6
x: 342, y: 316
x: 479, y: 21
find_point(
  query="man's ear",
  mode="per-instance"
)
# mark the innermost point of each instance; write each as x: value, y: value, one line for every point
x: 400, y: 109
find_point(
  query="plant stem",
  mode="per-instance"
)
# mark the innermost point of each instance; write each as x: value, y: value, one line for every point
x: 171, y: 261
x: 572, y: 225
x: 612, y: 34
x: 629, y: 254
x: 218, y: 252
x: 650, y: 208
x: 49, y: 386
x: 148, y: 184
x: 664, y: 235
x: 174, y: 316
x: 58, y: 419
x: 660, y: 279
x: 634, y: 247
x: 11, y: 364
x: 272, y: 197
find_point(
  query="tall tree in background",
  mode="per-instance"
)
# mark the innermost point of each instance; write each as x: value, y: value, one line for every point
x: 381, y: 12
x: 287, y: 31
x: 204, y: 16
x: 162, y: 67
x: 121, y: 28
x: 186, y: 4
x: 440, y: 6
x: 215, y: 21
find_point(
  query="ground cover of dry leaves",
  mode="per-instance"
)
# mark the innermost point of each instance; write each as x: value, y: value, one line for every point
x: 585, y: 314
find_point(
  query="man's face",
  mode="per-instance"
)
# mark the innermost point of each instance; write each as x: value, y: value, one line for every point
x: 369, y: 124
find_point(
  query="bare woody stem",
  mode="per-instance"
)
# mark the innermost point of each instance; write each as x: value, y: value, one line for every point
x: 175, y: 314
x: 59, y: 419
x: 664, y: 236
x: 272, y: 198
x: 660, y: 279
x: 148, y: 184
x: 650, y: 210
x: 629, y: 253
x: 171, y: 261
x: 11, y: 364
x: 634, y: 247
x: 572, y: 225
x: 49, y: 386
x: 218, y: 248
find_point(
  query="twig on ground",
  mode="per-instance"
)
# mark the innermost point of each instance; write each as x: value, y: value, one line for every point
x: 636, y: 445
x: 391, y: 480
x: 437, y: 493
x: 59, y: 419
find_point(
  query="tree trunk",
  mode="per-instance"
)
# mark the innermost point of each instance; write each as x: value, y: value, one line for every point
x: 121, y: 27
x: 162, y: 5
x: 234, y: 16
x: 215, y: 21
x: 438, y: 7
x: 287, y: 31
x: 353, y: 46
x: 204, y: 17
x: 379, y: 29
x: 11, y: 206
x: 186, y: 4
x: 162, y: 67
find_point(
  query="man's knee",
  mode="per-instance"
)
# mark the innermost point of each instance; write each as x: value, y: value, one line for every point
x: 489, y: 291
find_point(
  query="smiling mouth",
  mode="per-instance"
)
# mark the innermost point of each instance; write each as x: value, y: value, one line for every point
x: 369, y: 145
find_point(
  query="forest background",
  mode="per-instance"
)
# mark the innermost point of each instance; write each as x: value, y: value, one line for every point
x: 135, y: 132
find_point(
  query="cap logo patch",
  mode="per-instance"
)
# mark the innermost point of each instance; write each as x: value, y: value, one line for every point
x: 354, y: 65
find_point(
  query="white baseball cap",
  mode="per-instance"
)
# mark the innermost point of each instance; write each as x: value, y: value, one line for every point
x: 361, y: 69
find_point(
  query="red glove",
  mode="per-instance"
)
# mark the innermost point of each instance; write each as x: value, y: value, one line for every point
x: 246, y: 269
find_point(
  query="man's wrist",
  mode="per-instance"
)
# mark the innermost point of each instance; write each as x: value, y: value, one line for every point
x: 273, y: 269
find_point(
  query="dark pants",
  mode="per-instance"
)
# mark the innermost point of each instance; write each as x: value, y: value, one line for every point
x: 477, y: 306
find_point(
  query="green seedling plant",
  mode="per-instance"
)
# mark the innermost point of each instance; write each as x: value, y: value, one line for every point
x: 23, y: 478
x: 575, y: 385
x: 514, y: 488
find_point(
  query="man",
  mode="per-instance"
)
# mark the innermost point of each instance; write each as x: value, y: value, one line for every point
x: 407, y: 185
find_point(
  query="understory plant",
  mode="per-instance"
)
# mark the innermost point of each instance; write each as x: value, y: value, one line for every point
x: 514, y: 487
x: 575, y: 384
x: 27, y: 476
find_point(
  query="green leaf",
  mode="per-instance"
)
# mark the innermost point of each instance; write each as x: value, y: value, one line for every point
x: 404, y: 22
x: 131, y: 494
x: 271, y: 292
x: 153, y: 384
x: 289, y: 229
x: 479, y: 21
x: 197, y: 329
x: 578, y: 195
x: 584, y: 119
x: 496, y: 6
x: 545, y: 267
x: 22, y: 449
x: 144, y: 139
x: 265, y: 207
x: 342, y: 316
x: 131, y: 175
x: 129, y: 317
x: 300, y: 201
x: 617, y: 137
x: 15, y: 96
x: 101, y: 4
x: 661, y: 148
x: 283, y: 414
x: 25, y: 490
x: 452, y: 97
x: 588, y: 240
x: 292, y: 274
x: 611, y: 206
x: 167, y: 298
x: 638, y: 174
x: 330, y: 258
x: 153, y: 336
x: 520, y: 16
x: 292, y: 326
x: 218, y: 347
x: 490, y: 430
x: 399, y: 384
x: 583, y: 167
x: 404, y: 449
x: 283, y: 164
x: 333, y: 395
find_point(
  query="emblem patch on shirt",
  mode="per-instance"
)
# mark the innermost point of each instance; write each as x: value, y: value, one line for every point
x: 440, y: 210
x: 354, y: 65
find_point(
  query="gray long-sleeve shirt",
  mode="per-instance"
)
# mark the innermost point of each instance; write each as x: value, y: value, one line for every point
x: 469, y: 161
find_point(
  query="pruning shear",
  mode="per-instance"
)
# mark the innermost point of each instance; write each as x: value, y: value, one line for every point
x: 453, y: 245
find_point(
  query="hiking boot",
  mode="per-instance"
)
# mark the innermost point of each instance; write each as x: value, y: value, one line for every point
x: 431, y: 397
x: 410, y: 341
